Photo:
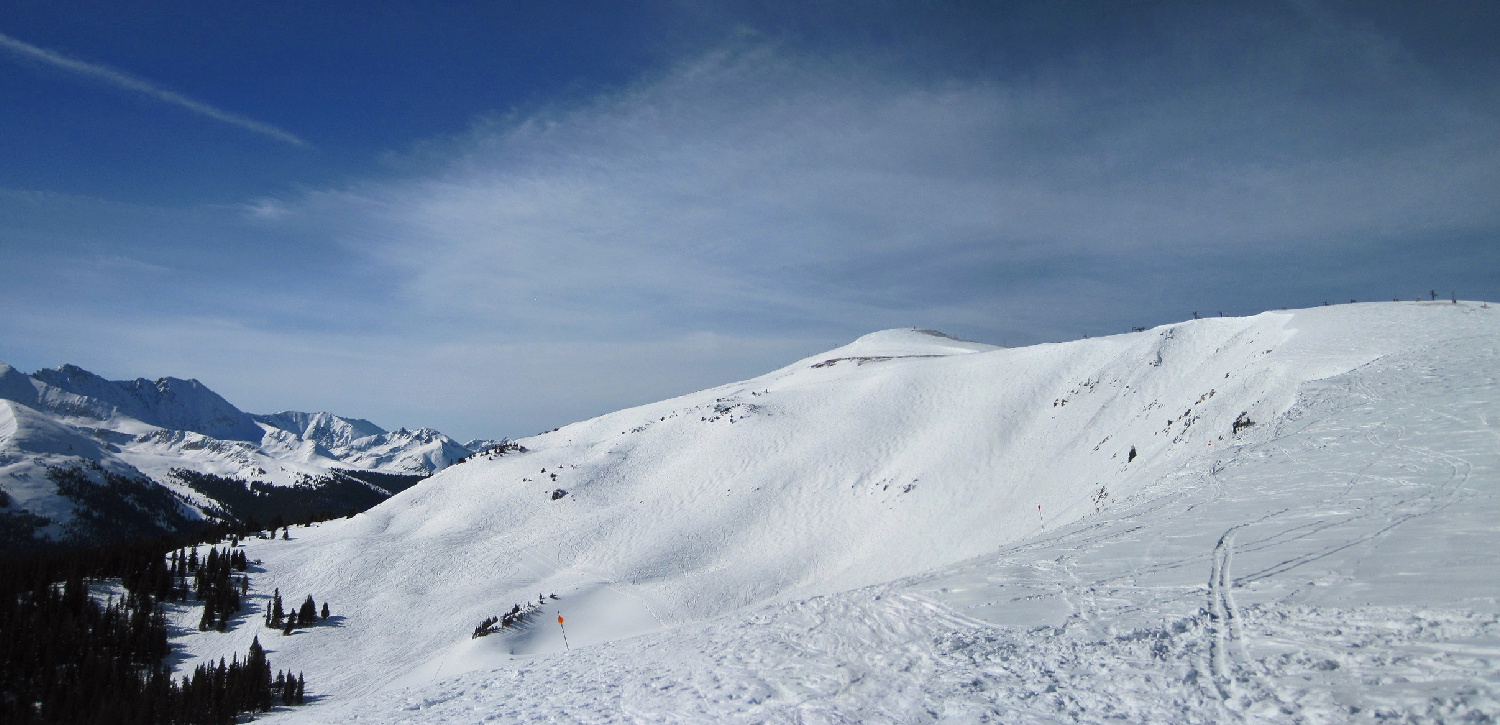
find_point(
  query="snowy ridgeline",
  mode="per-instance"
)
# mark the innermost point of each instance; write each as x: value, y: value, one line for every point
x: 88, y: 459
x: 910, y: 529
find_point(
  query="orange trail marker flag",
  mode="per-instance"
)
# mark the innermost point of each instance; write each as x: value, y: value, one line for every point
x: 564, y: 631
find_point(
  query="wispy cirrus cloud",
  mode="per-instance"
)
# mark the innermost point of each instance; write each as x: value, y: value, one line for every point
x: 758, y: 189
x: 128, y: 82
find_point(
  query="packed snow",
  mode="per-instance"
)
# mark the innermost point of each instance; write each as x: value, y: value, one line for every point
x: 915, y: 529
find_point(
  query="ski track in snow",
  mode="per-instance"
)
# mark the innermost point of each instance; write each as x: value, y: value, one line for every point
x: 1336, y: 564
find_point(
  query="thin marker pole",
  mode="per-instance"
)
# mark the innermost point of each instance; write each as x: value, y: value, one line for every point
x: 564, y: 631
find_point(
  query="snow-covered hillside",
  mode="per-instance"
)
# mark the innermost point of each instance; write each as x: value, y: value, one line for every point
x: 1291, y: 515
x: 109, y: 437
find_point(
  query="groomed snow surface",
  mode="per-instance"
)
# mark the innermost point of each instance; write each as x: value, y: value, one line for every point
x: 914, y: 529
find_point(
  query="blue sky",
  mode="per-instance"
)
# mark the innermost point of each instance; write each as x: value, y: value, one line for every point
x: 496, y: 218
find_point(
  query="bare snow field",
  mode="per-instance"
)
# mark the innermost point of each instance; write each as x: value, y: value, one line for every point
x: 915, y: 529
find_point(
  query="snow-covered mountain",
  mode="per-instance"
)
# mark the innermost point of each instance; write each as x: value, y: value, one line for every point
x: 1289, y: 517
x: 168, y: 403
x: 86, y: 458
x: 363, y: 444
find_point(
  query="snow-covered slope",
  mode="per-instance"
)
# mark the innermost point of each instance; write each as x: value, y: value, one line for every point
x: 16, y: 385
x: 1091, y: 487
x: 149, y: 432
x: 29, y: 443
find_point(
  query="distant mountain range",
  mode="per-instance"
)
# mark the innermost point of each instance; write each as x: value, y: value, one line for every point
x: 87, y: 459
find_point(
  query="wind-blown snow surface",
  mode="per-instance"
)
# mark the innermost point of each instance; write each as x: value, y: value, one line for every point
x: 861, y: 540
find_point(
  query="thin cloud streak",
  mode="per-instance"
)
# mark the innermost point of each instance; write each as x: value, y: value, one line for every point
x: 131, y: 83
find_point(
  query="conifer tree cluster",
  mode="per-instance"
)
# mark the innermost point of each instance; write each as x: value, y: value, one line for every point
x: 288, y: 690
x: 275, y: 615
x: 515, y: 616
x: 69, y: 656
x: 216, y: 694
x: 305, y: 616
x: 214, y: 582
x: 65, y: 657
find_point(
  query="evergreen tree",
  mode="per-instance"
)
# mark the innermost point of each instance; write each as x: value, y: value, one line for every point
x: 309, y: 611
x: 325, y: 610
